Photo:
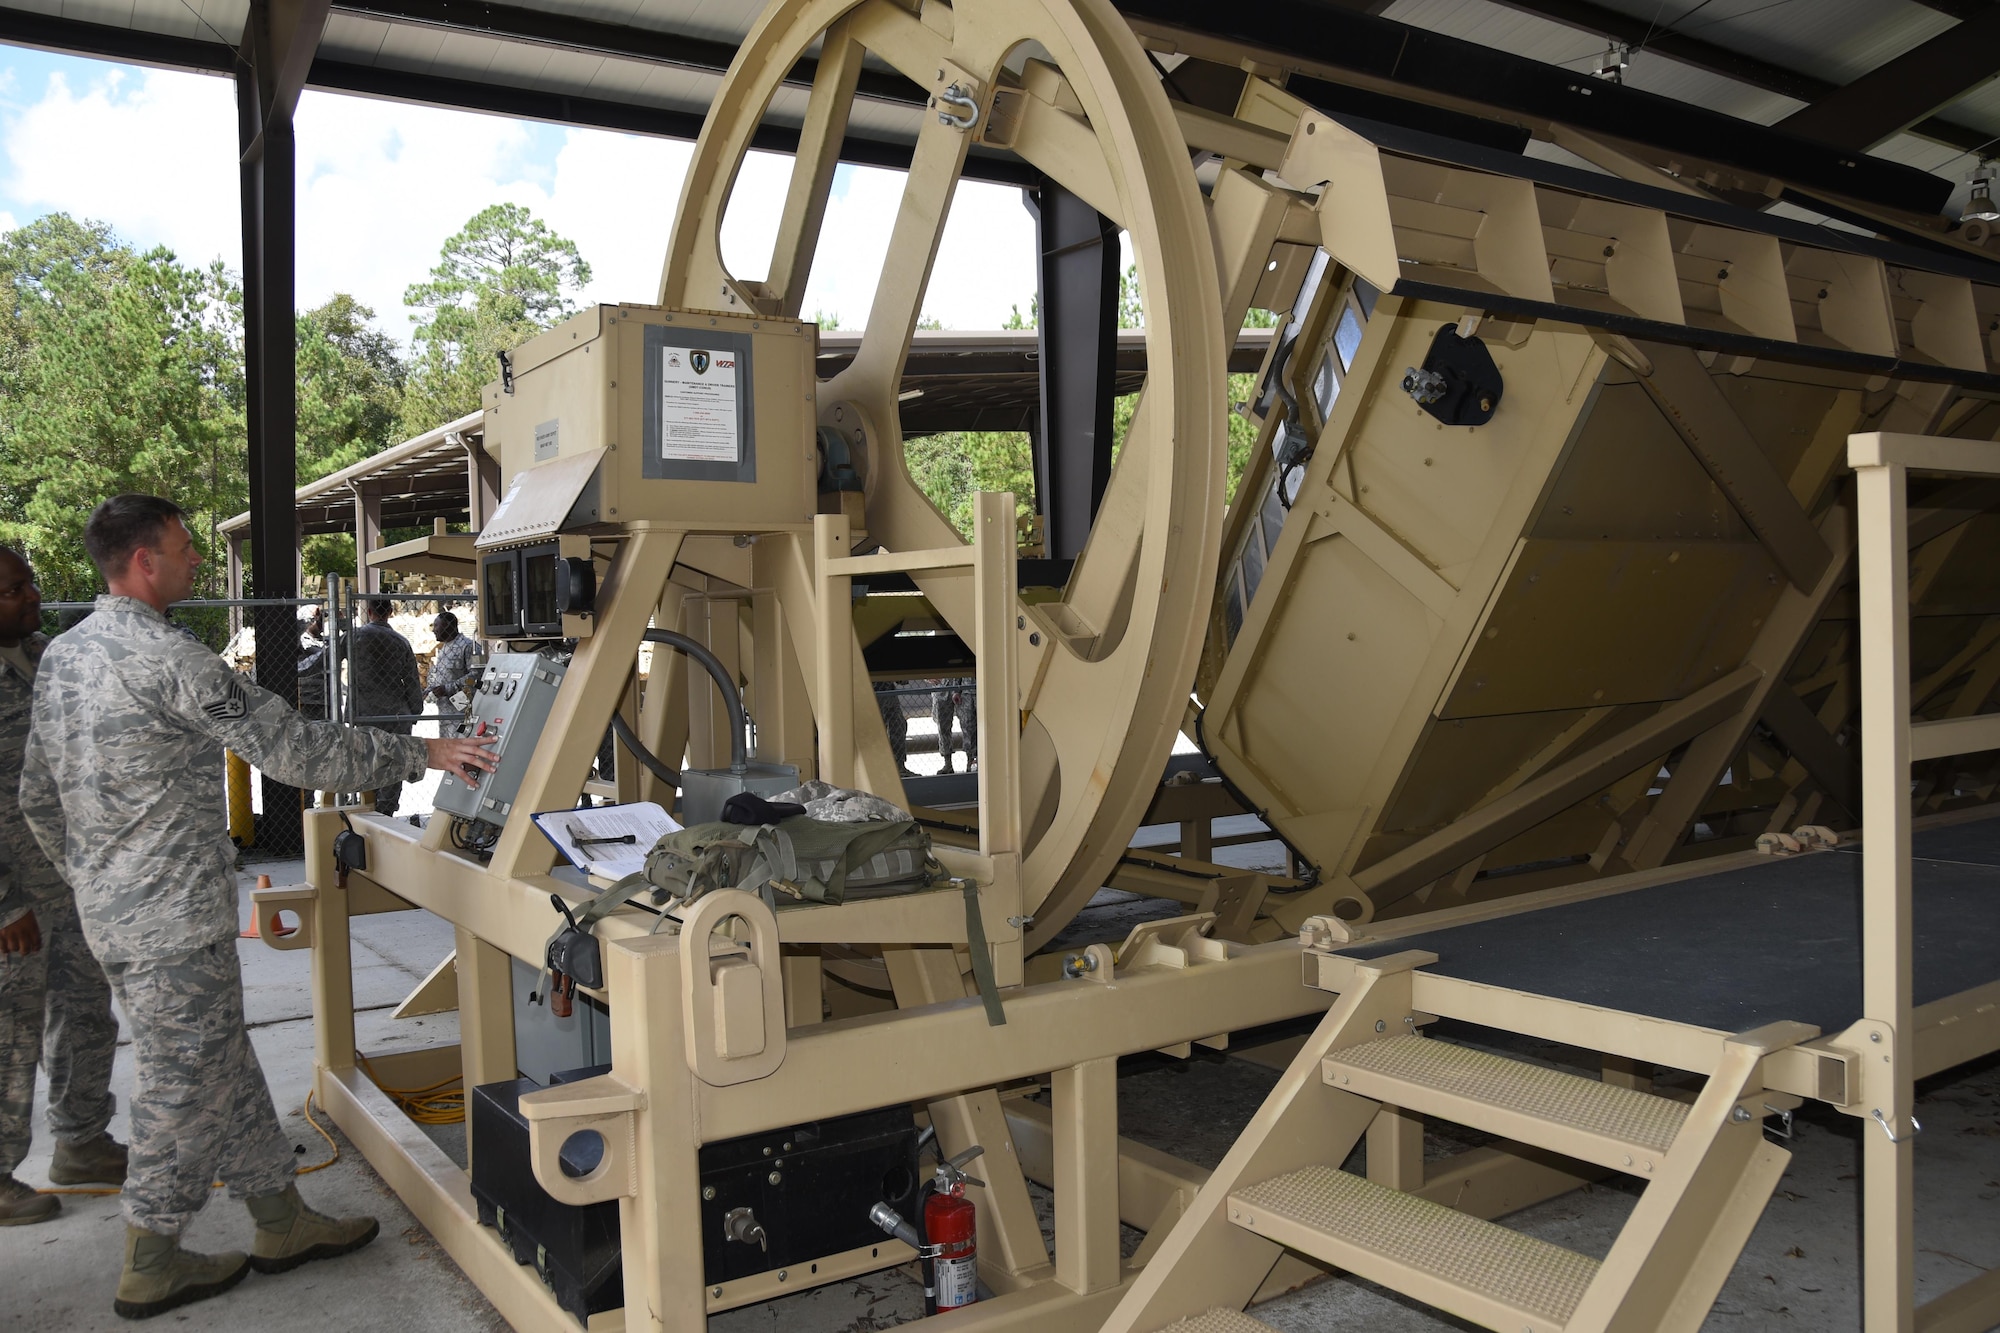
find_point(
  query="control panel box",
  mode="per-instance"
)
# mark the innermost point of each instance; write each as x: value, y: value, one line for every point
x: 510, y: 706
x: 628, y: 414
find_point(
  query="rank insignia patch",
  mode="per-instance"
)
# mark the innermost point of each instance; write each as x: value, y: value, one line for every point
x: 233, y: 704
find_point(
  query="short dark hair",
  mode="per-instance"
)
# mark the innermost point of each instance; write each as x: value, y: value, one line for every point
x: 379, y: 606
x: 123, y: 524
x: 447, y: 620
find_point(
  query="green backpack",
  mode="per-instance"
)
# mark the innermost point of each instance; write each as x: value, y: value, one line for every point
x: 806, y: 859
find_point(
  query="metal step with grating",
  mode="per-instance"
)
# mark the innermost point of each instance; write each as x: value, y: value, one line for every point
x: 1450, y: 1260
x: 1585, y: 1118
x: 1218, y: 1321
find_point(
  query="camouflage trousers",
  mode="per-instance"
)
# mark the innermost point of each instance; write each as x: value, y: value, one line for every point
x: 958, y: 702
x: 55, y: 1009
x: 201, y: 1110
x: 389, y: 796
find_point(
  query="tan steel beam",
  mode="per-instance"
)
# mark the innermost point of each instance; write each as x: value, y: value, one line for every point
x: 1833, y: 766
x: 1694, y: 404
x: 1403, y: 873
x: 1667, y: 824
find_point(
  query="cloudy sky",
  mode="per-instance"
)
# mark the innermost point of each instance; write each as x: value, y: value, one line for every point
x: 381, y: 185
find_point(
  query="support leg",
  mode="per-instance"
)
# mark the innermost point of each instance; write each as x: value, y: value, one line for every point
x: 1086, y: 1143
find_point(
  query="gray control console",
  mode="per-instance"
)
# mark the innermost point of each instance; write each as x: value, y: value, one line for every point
x: 510, y: 706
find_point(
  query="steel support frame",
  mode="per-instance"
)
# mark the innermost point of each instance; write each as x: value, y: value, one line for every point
x: 278, y: 42
x: 1882, y: 463
x: 1324, y: 40
x: 1077, y: 332
x: 1075, y: 1028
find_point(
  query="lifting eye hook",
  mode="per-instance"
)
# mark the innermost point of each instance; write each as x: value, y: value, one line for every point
x: 958, y: 97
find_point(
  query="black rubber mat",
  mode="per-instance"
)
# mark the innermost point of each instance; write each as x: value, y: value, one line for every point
x: 1741, y: 948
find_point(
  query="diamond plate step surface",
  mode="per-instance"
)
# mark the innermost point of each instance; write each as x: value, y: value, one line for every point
x: 1599, y: 1122
x: 1218, y: 1321
x: 1455, y: 1262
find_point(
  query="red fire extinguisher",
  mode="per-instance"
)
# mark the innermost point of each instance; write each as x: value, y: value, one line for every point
x: 951, y: 1263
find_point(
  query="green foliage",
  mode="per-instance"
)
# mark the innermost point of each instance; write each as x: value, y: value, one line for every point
x: 330, y: 553
x: 350, y: 390
x: 1015, y: 320
x: 119, y: 371
x: 954, y: 467
x: 1242, y: 431
x: 1131, y: 310
x: 505, y: 277
x: 827, y: 321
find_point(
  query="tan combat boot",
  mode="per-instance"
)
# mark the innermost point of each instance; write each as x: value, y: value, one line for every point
x: 98, y: 1161
x: 21, y: 1205
x: 289, y: 1233
x: 160, y: 1276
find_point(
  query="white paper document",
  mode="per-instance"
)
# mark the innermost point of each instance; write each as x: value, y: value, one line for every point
x: 594, y: 840
x: 698, y: 413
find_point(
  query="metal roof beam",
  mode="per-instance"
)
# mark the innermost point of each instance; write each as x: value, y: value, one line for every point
x: 1897, y: 95
x: 599, y: 113
x: 1612, y: 25
x: 623, y: 41
x: 1324, y: 39
x: 49, y: 33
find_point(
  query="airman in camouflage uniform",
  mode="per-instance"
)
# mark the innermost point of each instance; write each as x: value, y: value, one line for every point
x: 451, y: 669
x: 120, y: 789
x: 49, y: 983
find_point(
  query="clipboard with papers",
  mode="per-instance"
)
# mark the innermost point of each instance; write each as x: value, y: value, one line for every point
x: 609, y: 841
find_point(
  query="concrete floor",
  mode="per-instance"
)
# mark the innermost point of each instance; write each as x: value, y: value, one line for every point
x: 1800, y: 1269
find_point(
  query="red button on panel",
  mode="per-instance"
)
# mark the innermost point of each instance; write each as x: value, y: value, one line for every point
x: 481, y: 731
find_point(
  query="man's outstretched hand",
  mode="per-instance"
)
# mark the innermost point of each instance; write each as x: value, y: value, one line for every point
x: 462, y: 755
x: 23, y: 936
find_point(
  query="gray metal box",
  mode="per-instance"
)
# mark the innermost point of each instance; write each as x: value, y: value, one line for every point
x: 511, y: 706
x: 704, y: 791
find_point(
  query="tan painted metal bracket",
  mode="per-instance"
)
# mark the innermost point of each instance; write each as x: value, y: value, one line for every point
x: 265, y: 904
x: 602, y: 1105
x: 1871, y: 1044
x: 735, y: 997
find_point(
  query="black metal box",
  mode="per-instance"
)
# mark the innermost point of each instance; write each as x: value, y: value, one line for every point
x: 808, y: 1188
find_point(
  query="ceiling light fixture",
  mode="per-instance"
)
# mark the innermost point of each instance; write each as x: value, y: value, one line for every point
x: 1979, y: 205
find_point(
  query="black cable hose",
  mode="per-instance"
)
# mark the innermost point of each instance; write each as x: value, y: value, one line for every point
x: 732, y: 699
x: 624, y: 732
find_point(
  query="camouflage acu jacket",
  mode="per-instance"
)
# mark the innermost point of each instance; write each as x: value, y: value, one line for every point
x: 123, y: 784
x: 34, y: 880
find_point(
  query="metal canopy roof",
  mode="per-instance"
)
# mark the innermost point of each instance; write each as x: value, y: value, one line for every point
x: 651, y: 66
x: 419, y: 481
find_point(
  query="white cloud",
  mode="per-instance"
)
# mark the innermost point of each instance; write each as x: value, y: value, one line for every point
x: 381, y: 185
x: 7, y: 222
x: 615, y: 196
x: 152, y: 156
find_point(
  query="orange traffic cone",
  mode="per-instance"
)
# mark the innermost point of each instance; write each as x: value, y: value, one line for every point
x: 250, y: 931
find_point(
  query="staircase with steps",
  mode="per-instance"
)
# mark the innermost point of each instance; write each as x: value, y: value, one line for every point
x: 1707, y: 1168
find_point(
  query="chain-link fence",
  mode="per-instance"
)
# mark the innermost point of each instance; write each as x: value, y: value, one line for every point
x: 402, y: 671
x: 400, y: 662
x: 929, y: 722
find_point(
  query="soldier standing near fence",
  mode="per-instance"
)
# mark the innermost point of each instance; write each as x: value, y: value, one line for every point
x: 55, y: 1006
x: 120, y: 790
x: 382, y: 671
x: 956, y: 700
x: 451, y: 669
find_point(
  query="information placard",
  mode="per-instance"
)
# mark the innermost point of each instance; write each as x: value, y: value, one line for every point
x: 699, y: 420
